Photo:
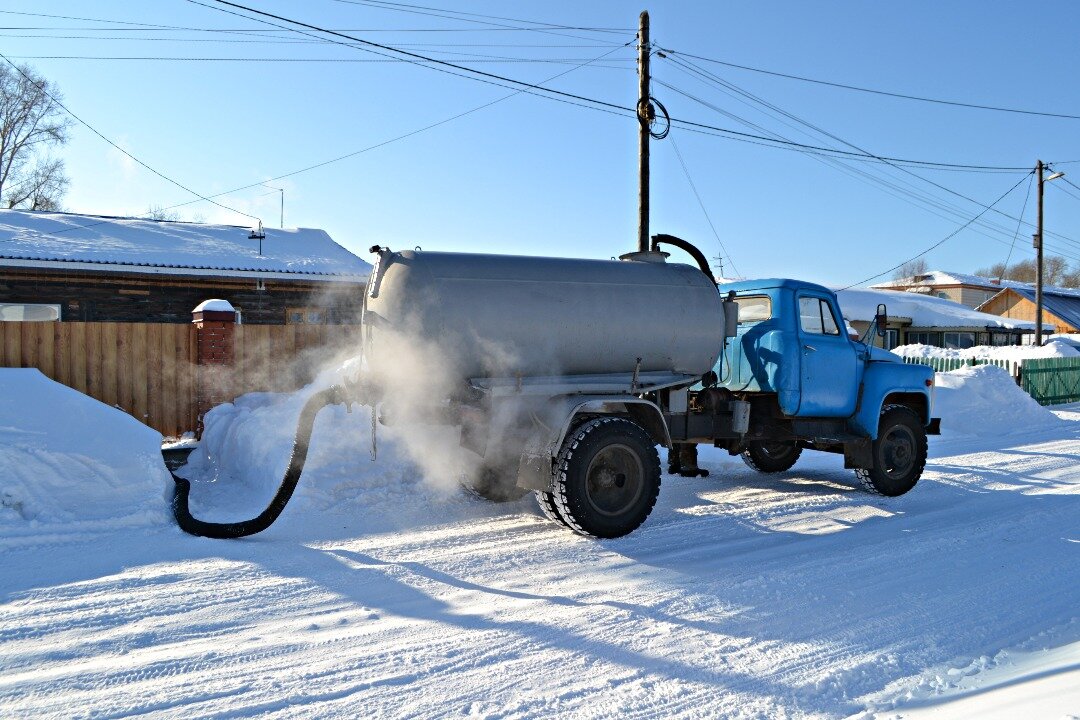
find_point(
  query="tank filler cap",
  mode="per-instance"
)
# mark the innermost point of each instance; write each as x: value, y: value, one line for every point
x: 651, y: 256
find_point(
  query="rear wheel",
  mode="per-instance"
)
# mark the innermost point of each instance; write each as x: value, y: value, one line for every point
x: 771, y: 456
x: 899, y: 453
x: 606, y: 478
x: 546, y: 501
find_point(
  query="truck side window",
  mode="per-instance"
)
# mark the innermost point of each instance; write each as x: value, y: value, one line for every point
x: 816, y: 317
x: 754, y: 308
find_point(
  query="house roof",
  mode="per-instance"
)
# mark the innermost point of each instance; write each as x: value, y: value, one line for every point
x: 941, y: 278
x: 923, y: 310
x: 1064, y: 306
x: 115, y: 244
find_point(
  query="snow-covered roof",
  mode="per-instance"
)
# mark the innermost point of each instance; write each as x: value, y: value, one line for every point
x: 922, y: 310
x: 89, y: 242
x: 941, y: 278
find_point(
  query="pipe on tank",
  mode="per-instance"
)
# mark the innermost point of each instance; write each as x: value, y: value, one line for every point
x: 698, y: 256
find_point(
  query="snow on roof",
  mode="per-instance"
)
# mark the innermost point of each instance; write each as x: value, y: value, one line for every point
x: 39, y: 239
x: 934, y: 278
x: 922, y: 310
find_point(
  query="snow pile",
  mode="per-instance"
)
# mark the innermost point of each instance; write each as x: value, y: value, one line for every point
x: 245, y: 449
x: 67, y: 458
x: 985, y: 400
x: 922, y: 310
x: 1054, y: 348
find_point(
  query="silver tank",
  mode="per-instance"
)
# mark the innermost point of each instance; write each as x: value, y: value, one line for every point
x: 505, y: 316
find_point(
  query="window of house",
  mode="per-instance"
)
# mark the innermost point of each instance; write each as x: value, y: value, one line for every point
x: 816, y: 317
x: 1000, y: 338
x: 754, y: 308
x: 892, y: 339
x: 29, y: 312
x: 942, y: 294
x: 959, y: 340
x: 306, y: 316
x: 923, y: 338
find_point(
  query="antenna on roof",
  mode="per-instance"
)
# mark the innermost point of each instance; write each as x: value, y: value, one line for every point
x: 258, y: 234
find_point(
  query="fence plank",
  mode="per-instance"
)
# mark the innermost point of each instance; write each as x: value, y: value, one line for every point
x: 153, y: 375
x: 76, y: 355
x: 167, y: 381
x: 95, y: 380
x: 12, y: 344
x: 110, y: 345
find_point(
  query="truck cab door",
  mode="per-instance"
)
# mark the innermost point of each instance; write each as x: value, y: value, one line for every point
x: 829, y: 360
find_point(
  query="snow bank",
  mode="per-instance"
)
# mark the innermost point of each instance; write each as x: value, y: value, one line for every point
x: 245, y: 449
x: 67, y: 458
x: 985, y: 400
x: 1054, y: 348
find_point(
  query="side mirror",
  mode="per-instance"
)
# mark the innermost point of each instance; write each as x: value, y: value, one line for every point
x: 881, y: 320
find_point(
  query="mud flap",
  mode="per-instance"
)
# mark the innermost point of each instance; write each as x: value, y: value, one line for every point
x: 858, y: 454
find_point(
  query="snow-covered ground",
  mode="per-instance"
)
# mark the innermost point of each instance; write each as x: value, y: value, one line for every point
x: 1058, y: 346
x: 382, y: 594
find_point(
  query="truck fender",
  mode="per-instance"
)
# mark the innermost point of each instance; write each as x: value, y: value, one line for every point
x: 891, y: 383
x: 554, y: 422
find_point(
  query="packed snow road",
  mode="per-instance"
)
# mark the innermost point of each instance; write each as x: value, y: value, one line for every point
x: 744, y: 595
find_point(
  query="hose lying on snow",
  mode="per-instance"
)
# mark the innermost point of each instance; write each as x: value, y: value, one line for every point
x: 331, y: 396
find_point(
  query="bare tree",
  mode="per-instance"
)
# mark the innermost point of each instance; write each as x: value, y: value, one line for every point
x: 911, y: 268
x: 1055, y: 272
x: 158, y: 212
x: 31, y: 124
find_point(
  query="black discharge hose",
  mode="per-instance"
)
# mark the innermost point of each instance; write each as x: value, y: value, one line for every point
x: 331, y: 396
x: 698, y: 256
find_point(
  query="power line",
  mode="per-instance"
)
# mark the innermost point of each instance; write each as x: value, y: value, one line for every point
x: 471, y: 59
x: 423, y: 60
x: 701, y: 203
x: 446, y: 15
x: 92, y: 129
x: 551, y: 26
x: 1027, y: 196
x: 942, y: 241
x: 723, y: 83
x: 369, y: 148
x: 903, y: 96
x: 151, y: 25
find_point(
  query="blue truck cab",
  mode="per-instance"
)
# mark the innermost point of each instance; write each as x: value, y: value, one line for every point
x: 812, y: 385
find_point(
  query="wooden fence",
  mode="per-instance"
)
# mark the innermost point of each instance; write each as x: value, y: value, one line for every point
x: 150, y: 370
x: 1052, y: 381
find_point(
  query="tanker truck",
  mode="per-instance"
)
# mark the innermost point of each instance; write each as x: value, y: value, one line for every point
x: 564, y: 376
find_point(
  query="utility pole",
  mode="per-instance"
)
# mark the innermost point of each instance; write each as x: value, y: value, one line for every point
x: 645, y: 117
x: 1039, y: 261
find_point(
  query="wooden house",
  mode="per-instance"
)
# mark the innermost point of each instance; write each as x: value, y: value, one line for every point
x: 1061, y: 306
x: 88, y: 268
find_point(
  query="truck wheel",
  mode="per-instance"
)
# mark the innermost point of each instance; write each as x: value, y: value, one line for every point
x: 606, y: 478
x: 899, y: 453
x: 770, y: 457
x: 494, y: 484
x: 547, y: 506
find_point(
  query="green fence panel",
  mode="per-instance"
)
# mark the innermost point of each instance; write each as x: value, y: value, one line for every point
x: 1052, y: 381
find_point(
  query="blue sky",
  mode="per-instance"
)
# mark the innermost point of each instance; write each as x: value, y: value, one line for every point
x: 533, y: 176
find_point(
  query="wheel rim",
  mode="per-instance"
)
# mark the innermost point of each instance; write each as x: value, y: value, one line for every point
x: 615, y: 480
x: 898, y: 451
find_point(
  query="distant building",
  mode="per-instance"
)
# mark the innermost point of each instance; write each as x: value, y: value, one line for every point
x: 1061, y: 306
x: 928, y: 320
x: 67, y: 267
x: 969, y: 290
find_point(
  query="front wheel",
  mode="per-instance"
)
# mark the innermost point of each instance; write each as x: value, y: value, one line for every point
x: 606, y: 478
x: 899, y: 453
x: 771, y: 457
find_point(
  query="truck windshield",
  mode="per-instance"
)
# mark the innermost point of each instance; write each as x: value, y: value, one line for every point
x: 754, y: 308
